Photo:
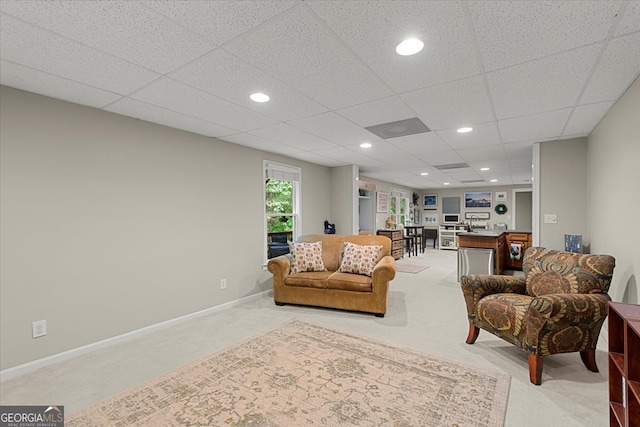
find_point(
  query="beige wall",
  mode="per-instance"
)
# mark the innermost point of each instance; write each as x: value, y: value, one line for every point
x: 563, y: 191
x: 110, y: 224
x: 459, y: 192
x: 384, y: 187
x: 613, y: 192
x: 344, y: 199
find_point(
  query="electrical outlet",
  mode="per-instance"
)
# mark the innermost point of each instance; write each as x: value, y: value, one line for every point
x: 223, y: 284
x: 39, y: 328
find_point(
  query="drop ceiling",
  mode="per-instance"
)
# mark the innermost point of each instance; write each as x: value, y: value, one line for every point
x: 517, y: 72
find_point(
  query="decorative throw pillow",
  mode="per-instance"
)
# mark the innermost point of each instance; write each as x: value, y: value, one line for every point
x: 359, y: 259
x: 306, y: 256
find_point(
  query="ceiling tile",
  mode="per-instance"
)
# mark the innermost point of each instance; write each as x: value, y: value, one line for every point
x: 143, y: 111
x: 28, y: 79
x: 423, y: 143
x: 482, y: 134
x: 536, y: 127
x: 160, y: 44
x: 382, y: 150
x: 546, y: 84
x: 312, y: 157
x: 374, y: 29
x: 513, y: 32
x: 519, y: 154
x: 482, y: 153
x: 383, y: 110
x: 220, y: 21
x: 289, y: 135
x: 441, y: 158
x: 451, y: 105
x: 334, y: 128
x: 42, y: 50
x: 221, y: 74
x: 586, y: 117
x: 175, y: 96
x: 342, y: 154
x: 260, y: 143
x: 617, y: 69
x: 630, y: 21
x: 312, y: 60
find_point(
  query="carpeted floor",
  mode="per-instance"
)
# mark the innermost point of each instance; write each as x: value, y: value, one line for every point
x: 403, y: 266
x: 306, y: 374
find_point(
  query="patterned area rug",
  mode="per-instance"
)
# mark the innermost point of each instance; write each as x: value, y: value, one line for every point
x: 301, y: 374
x: 406, y: 267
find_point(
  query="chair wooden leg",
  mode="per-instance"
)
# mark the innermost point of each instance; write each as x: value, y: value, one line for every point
x: 473, y: 333
x: 535, y: 369
x: 589, y: 359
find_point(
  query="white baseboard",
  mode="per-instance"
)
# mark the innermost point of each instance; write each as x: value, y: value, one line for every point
x: 26, y: 368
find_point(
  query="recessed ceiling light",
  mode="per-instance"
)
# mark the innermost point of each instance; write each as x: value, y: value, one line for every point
x: 365, y: 145
x: 424, y: 173
x: 464, y: 130
x: 494, y: 180
x: 484, y: 169
x: 409, y: 47
x: 446, y: 183
x: 259, y: 97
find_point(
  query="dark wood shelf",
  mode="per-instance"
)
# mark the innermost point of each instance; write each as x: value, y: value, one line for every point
x: 624, y: 365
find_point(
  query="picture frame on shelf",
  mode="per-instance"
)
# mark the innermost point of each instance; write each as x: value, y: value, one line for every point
x: 430, y: 201
x: 477, y: 199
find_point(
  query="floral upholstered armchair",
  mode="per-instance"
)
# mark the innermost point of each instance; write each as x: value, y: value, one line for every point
x: 559, y: 307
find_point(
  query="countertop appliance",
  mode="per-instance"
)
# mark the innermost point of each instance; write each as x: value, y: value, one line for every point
x: 451, y: 218
x: 474, y: 261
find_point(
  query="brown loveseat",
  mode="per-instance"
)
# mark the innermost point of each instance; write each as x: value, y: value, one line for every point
x: 332, y: 288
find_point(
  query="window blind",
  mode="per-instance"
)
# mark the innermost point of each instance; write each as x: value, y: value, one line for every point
x: 282, y: 172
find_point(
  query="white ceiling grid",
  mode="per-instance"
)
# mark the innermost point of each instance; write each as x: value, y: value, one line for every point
x: 517, y: 72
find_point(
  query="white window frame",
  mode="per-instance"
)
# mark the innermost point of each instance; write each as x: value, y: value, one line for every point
x: 398, y: 195
x: 281, y: 171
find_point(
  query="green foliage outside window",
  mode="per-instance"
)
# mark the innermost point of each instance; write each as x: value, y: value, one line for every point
x: 279, y: 200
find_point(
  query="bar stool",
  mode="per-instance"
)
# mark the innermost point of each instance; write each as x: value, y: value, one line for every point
x: 410, y: 242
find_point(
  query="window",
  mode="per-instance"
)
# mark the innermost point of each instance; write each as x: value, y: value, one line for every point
x: 399, y: 204
x: 282, y: 207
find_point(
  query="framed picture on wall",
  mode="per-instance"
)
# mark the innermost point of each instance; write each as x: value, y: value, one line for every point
x: 382, y: 202
x: 430, y: 201
x: 478, y: 199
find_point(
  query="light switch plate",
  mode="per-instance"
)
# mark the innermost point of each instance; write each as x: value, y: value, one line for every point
x: 550, y: 218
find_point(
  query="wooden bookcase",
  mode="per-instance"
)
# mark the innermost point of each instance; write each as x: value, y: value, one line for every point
x: 624, y: 365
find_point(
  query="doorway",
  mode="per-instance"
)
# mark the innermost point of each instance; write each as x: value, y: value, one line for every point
x: 522, y: 200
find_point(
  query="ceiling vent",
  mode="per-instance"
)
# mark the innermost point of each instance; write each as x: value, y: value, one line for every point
x: 472, y: 181
x: 451, y: 166
x: 400, y: 128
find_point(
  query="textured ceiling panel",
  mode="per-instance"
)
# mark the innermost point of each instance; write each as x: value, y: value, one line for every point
x: 517, y: 72
x: 141, y: 35
x: 314, y: 61
x: 513, y: 32
x: 140, y: 110
x: 373, y: 29
x: 28, y: 79
x: 42, y: 50
x: 546, y: 84
x: 452, y: 105
x: 221, y: 74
